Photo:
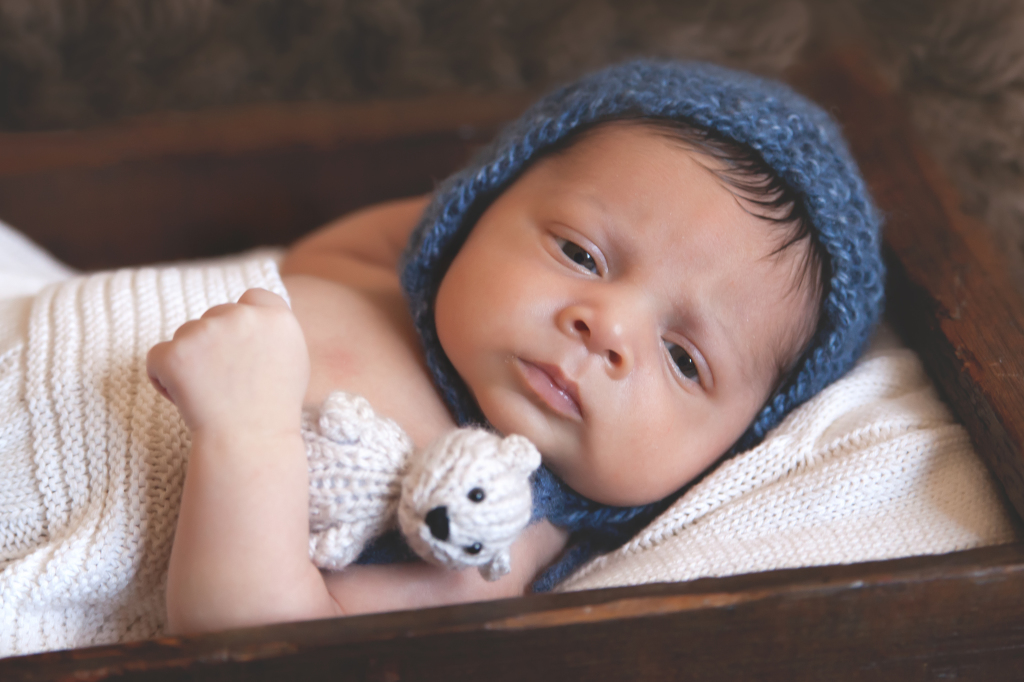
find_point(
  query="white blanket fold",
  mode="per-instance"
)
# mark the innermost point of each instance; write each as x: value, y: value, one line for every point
x: 95, y: 458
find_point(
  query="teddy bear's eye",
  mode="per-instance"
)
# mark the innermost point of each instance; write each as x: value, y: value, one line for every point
x: 476, y: 495
x: 474, y: 548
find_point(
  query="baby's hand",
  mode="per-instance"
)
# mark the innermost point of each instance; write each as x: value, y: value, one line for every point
x: 241, y: 366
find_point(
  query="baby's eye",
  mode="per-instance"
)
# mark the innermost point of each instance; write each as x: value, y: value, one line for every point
x: 577, y: 254
x: 683, y: 361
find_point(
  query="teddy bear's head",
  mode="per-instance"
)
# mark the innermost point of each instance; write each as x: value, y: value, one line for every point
x: 467, y: 497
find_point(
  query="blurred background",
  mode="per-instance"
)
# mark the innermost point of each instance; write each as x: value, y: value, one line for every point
x: 89, y: 64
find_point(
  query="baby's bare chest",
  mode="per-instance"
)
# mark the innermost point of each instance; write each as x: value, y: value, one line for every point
x: 364, y: 343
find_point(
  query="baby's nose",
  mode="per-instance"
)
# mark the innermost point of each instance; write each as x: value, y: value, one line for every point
x: 605, y: 337
x: 615, y: 358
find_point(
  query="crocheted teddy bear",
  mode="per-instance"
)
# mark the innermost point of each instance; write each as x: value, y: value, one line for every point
x: 460, y: 502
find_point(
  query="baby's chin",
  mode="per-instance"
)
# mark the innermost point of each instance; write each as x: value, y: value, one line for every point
x: 614, y: 486
x: 610, y: 493
x: 510, y: 413
x: 565, y: 451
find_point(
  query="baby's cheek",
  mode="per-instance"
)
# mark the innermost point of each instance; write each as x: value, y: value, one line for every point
x: 448, y: 309
x: 653, y: 452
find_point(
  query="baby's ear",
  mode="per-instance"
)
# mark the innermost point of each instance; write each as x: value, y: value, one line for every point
x: 520, y: 453
x: 500, y: 565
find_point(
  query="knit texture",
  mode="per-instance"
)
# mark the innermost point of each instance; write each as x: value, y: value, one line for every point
x: 357, y: 461
x: 795, y: 137
x: 874, y: 467
x: 481, y: 483
x: 97, y: 457
x: 460, y: 502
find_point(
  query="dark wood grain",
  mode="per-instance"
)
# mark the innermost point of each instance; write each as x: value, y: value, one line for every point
x: 958, y: 616
x: 237, y: 130
x: 955, y: 615
x: 198, y: 205
x: 181, y: 186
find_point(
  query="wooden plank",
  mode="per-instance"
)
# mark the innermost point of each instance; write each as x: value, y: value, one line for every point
x: 243, y: 129
x: 949, y: 291
x: 180, y: 186
x: 199, y: 205
x: 953, y: 616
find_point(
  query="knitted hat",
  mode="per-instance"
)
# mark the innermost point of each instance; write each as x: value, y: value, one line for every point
x: 794, y: 137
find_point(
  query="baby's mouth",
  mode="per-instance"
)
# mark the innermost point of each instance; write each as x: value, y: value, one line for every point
x: 554, y: 389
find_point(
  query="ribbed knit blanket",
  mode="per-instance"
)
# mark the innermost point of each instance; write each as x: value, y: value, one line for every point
x: 92, y: 459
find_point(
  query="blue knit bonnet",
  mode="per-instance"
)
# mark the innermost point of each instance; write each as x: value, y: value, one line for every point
x: 794, y: 137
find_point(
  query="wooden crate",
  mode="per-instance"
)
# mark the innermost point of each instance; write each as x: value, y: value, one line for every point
x: 194, y: 185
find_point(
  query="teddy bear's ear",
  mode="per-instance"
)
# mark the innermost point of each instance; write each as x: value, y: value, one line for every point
x: 348, y: 419
x: 500, y: 565
x: 520, y: 452
x: 344, y: 417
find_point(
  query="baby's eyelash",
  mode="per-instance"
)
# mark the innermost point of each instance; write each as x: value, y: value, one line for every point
x: 682, y: 360
x: 577, y: 254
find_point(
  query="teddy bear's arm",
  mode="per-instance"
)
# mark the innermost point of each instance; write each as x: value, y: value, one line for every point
x: 356, y: 462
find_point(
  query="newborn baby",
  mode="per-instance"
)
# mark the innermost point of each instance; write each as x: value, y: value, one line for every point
x: 639, y: 293
x: 644, y: 274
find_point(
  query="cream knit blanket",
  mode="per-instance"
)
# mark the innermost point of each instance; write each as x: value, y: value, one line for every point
x: 91, y: 457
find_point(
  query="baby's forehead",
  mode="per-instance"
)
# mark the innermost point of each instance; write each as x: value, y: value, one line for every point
x: 709, y: 149
x: 592, y: 139
x: 601, y: 149
x: 617, y: 148
x: 597, y: 172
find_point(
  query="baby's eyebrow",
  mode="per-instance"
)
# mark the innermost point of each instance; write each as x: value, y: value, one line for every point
x: 694, y: 316
x: 696, y: 323
x: 718, y: 344
x: 586, y: 200
x: 595, y: 200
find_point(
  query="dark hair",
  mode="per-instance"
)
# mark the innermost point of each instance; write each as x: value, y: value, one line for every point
x: 765, y: 195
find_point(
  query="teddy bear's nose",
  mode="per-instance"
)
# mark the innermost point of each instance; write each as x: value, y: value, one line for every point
x: 437, y: 521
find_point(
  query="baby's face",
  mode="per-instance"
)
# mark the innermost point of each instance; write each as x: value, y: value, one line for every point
x: 619, y: 307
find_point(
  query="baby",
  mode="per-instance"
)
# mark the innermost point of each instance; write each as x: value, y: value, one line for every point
x: 645, y: 273
x: 642, y: 275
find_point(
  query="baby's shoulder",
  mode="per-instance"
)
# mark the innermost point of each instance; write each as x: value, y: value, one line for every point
x: 361, y: 340
x: 361, y: 249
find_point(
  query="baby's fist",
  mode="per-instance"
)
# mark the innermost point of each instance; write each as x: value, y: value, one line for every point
x: 240, y: 366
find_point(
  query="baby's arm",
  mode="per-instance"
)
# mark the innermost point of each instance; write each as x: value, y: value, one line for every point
x: 241, y: 549
x: 240, y: 554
